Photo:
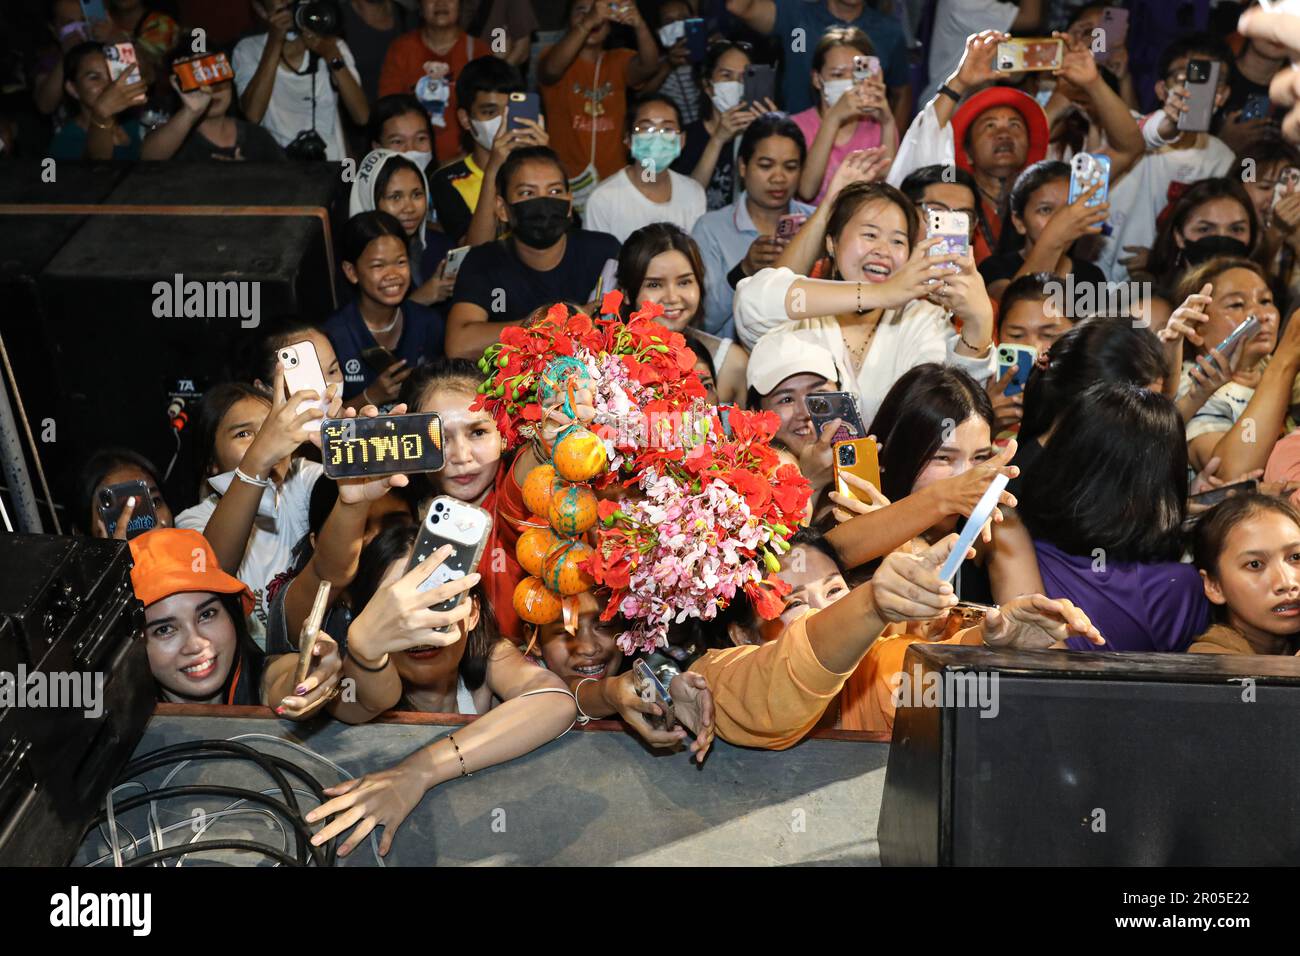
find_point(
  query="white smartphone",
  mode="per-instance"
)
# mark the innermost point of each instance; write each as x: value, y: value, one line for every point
x: 988, y: 501
x: 454, y: 260
x: 952, y: 229
x: 302, y: 371
x: 465, y: 527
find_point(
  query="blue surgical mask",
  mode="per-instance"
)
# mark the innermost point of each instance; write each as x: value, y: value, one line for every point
x: 656, y: 150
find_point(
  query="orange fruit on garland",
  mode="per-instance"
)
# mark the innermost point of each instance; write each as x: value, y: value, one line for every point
x: 573, y: 509
x: 560, y: 571
x: 532, y: 548
x: 580, y: 456
x: 538, y: 488
x: 534, y: 603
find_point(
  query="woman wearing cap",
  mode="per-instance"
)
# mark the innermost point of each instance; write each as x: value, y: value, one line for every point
x: 199, y: 648
x: 889, y: 305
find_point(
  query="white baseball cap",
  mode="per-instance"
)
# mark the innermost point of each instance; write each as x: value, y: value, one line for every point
x: 778, y: 355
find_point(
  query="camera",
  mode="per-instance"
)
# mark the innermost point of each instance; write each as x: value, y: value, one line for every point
x: 105, y: 499
x: 289, y: 358
x: 818, y: 406
x: 1198, y: 71
x: 848, y: 456
x: 307, y: 146
x: 316, y: 16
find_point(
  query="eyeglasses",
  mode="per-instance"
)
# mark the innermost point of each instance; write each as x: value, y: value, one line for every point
x: 649, y: 127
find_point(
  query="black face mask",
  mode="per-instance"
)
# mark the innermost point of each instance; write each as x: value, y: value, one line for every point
x: 541, y: 222
x: 1203, y: 250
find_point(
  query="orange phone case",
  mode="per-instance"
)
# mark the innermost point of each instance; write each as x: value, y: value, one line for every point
x: 858, y: 457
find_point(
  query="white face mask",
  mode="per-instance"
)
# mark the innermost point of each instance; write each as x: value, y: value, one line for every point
x: 290, y: 36
x: 726, y: 96
x: 485, y: 131
x: 421, y: 157
x: 832, y: 90
x: 670, y: 33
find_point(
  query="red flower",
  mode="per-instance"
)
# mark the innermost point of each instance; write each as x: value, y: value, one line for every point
x: 699, y: 458
x: 606, y: 508
x: 766, y: 596
x: 791, y: 490
x: 532, y: 413
x: 611, y: 303
x: 754, y: 488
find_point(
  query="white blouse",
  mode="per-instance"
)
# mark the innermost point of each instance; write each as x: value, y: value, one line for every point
x: 919, y: 332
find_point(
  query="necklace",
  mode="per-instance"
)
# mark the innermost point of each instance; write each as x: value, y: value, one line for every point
x: 858, y: 354
x: 397, y: 314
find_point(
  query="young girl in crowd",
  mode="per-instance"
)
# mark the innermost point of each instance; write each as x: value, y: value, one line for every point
x: 887, y: 307
x: 195, y: 627
x: 1213, y: 218
x: 660, y: 263
x: 1047, y: 228
x: 409, y: 656
x: 113, y: 466
x: 389, y: 182
x: 1100, y: 519
x: 850, y: 114
x: 1247, y: 550
x: 1033, y: 313
x: 1242, y: 420
x: 257, y: 511
x: 379, y: 335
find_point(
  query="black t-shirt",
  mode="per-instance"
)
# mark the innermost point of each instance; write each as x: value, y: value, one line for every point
x: 493, y: 278
x: 454, y: 214
x: 721, y: 190
x: 1005, y: 265
x: 1242, y: 89
x: 253, y: 144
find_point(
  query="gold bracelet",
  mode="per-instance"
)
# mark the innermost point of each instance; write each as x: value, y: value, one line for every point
x: 464, y: 772
x: 109, y: 125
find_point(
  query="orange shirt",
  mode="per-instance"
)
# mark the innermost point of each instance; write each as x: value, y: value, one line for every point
x: 590, y: 100
x: 499, y: 566
x: 404, y: 66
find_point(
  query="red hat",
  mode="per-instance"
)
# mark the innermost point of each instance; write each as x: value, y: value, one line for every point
x: 171, y: 560
x: 1021, y: 102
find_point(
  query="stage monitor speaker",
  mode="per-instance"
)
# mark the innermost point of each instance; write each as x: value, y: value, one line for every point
x: 1092, y: 760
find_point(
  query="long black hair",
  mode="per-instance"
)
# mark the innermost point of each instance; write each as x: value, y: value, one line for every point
x: 216, y: 402
x: 1095, y: 350
x: 1113, y: 477
x: 393, y: 544
x: 926, y: 403
x: 1031, y: 179
x: 1167, y: 258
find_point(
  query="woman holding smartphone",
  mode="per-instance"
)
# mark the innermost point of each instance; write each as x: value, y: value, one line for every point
x: 380, y: 336
x: 889, y: 305
x: 448, y: 662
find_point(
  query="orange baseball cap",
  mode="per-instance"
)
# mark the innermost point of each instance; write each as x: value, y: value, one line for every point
x: 172, y: 560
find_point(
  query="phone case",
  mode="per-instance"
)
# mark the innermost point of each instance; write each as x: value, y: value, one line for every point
x: 302, y: 371
x: 1021, y: 356
x: 524, y: 106
x: 1018, y: 56
x: 826, y: 406
x: 464, y: 526
x: 759, y: 83
x: 112, y: 499
x: 1114, y: 26
x: 858, y: 457
x: 952, y: 229
x: 974, y: 524
x: 1287, y: 181
x: 387, y: 445
x: 455, y: 259
x: 311, y: 628
x: 378, y: 357
x: 121, y: 57
x: 1202, y: 84
x: 697, y: 41
x: 1247, y: 329
x: 1255, y: 107
x: 865, y: 67
x: 1086, y: 169
x: 206, y: 70
x: 652, y: 689
x: 789, y: 225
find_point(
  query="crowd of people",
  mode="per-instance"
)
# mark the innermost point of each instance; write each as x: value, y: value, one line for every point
x: 782, y: 223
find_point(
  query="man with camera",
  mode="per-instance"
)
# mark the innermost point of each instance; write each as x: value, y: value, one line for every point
x: 292, y: 77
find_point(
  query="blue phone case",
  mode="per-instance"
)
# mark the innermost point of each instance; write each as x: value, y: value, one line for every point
x: 1081, y: 180
x: 1024, y: 365
x: 697, y: 41
x: 988, y: 501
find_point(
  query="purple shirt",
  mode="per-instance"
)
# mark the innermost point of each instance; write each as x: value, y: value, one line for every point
x: 1137, y: 607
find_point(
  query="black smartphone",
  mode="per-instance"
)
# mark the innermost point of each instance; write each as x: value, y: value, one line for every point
x: 387, y: 445
x: 466, y: 528
x: 1215, y: 495
x: 378, y: 358
x: 697, y: 40
x: 524, y: 106
x: 826, y: 406
x: 112, y: 499
x: 760, y: 83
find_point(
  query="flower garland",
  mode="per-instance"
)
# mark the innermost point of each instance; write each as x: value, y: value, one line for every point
x: 712, y: 505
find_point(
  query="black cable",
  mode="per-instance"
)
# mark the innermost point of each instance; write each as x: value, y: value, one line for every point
x: 206, y: 845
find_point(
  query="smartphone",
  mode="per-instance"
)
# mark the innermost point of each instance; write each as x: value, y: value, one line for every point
x: 1287, y: 180
x: 952, y: 229
x: 112, y: 499
x: 93, y: 11
x: 1247, y: 330
x: 1255, y: 107
x: 121, y: 58
x: 524, y: 106
x: 378, y: 358
x: 465, y: 527
x: 302, y: 371
x: 790, y: 224
x: 697, y: 40
x: 454, y: 260
x: 827, y: 406
x: 1114, y: 27
x: 1023, y: 358
x: 858, y: 457
x: 387, y: 445
x: 311, y: 628
x: 1020, y: 55
x: 652, y: 688
x: 1215, y: 495
x: 208, y: 70
x: 974, y: 524
x: 1087, y: 169
x: 865, y: 67
x: 759, y: 83
x: 1202, y: 85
